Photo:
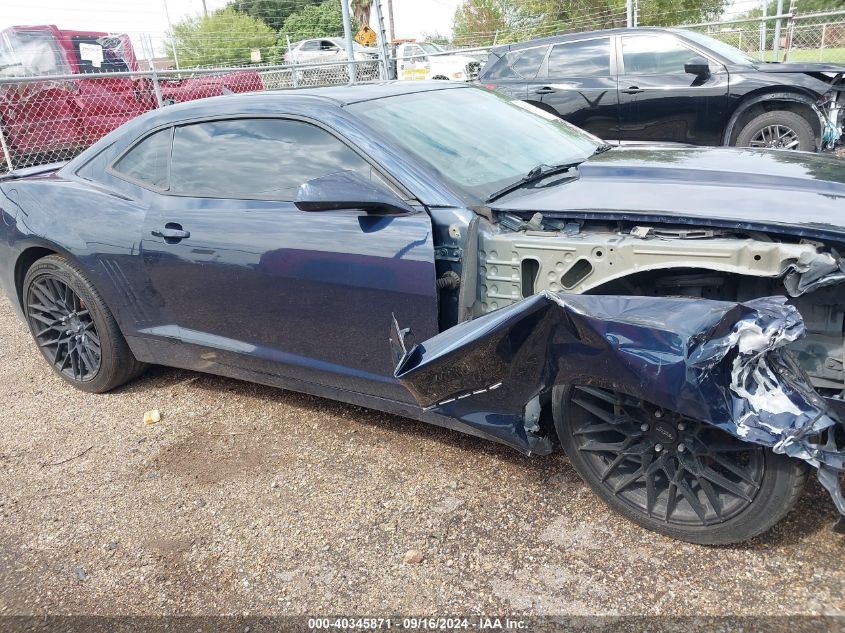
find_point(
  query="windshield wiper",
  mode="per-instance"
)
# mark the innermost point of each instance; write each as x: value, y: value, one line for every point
x: 538, y: 173
x: 601, y: 149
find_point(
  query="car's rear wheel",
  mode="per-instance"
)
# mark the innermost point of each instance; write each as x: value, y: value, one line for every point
x: 778, y: 130
x: 672, y: 474
x: 74, y: 329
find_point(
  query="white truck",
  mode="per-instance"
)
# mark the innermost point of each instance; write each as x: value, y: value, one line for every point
x: 426, y: 60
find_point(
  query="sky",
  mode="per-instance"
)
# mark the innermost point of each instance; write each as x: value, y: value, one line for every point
x: 148, y: 17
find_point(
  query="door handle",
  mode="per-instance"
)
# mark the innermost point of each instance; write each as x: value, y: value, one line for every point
x: 633, y: 90
x: 545, y: 90
x: 172, y: 233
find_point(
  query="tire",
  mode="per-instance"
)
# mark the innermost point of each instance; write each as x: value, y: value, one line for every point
x: 766, y: 491
x: 797, y: 131
x: 55, y: 289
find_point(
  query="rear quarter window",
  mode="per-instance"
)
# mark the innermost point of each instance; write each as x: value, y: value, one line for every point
x: 527, y: 65
x: 148, y: 162
x: 519, y: 64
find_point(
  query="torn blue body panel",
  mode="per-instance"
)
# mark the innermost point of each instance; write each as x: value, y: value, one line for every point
x: 722, y: 363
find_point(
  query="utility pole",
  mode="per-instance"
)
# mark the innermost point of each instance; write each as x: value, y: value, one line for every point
x: 204, y: 9
x: 172, y: 40
x: 347, y: 36
x: 381, y: 42
x: 629, y: 13
x: 390, y: 19
x: 763, y: 30
x: 776, y: 43
x: 790, y: 30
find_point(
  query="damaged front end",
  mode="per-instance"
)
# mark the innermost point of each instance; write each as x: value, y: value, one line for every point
x: 721, y: 363
x: 831, y: 111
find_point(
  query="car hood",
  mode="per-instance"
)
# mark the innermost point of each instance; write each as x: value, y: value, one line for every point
x: 797, y: 193
x: 800, y: 67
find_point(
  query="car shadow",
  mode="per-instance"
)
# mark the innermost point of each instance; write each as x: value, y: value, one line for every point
x: 812, y: 515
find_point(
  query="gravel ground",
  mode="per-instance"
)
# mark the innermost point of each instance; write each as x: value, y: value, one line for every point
x: 247, y: 499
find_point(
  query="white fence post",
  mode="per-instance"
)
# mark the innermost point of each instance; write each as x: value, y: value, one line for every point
x: 347, y: 36
x: 5, y: 147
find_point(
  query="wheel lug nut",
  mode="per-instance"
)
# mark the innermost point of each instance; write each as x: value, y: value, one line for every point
x: 658, y: 448
x: 681, y: 448
x: 644, y: 427
x: 658, y: 414
x: 682, y: 426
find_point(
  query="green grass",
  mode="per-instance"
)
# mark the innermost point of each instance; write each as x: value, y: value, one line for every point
x: 835, y: 55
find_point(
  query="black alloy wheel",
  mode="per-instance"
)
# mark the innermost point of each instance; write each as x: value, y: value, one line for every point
x: 63, y: 328
x: 671, y: 473
x: 74, y: 329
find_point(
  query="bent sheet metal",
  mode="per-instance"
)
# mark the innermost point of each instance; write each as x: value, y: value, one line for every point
x: 722, y: 363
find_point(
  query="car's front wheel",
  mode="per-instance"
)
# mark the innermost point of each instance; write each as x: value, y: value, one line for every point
x: 74, y: 329
x: 672, y: 474
x: 778, y: 130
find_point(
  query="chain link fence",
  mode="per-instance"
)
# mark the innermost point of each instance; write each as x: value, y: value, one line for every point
x: 53, y: 118
x: 811, y: 37
x: 51, y: 110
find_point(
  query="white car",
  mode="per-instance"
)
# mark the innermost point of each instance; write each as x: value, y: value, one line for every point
x: 426, y: 60
x: 326, y: 49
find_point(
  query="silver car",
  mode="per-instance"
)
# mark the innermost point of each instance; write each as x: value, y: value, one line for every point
x: 326, y: 49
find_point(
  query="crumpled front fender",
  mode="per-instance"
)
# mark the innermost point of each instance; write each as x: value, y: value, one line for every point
x: 718, y: 362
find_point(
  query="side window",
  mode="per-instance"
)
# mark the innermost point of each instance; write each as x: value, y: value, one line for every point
x: 149, y: 161
x: 654, y: 55
x: 527, y: 64
x: 256, y: 158
x: 587, y: 58
x: 328, y: 45
x: 312, y: 45
x: 414, y: 51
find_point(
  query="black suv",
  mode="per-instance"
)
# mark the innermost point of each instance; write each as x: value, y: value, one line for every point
x: 672, y: 86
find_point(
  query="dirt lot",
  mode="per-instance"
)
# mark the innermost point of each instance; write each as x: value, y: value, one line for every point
x: 246, y: 499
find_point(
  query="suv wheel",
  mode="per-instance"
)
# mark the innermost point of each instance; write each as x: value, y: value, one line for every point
x: 778, y: 130
x: 672, y: 474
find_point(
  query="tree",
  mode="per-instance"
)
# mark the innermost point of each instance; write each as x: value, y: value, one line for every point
x: 672, y: 12
x: 802, y: 7
x: 361, y: 10
x: 477, y: 22
x: 436, y: 37
x: 316, y: 20
x: 223, y: 38
x: 272, y: 12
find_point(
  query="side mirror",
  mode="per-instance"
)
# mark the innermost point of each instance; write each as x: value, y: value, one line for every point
x: 697, y: 66
x: 348, y: 190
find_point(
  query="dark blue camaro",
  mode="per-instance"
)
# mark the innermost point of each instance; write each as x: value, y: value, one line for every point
x: 441, y: 253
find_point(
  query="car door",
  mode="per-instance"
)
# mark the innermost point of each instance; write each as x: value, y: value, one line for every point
x: 660, y: 101
x: 309, y: 51
x: 330, y: 51
x: 243, y: 278
x: 417, y: 66
x: 578, y: 82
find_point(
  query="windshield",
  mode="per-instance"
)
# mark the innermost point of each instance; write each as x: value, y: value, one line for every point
x: 733, y: 55
x: 428, y: 47
x: 477, y: 141
x: 30, y: 53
